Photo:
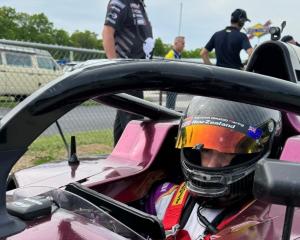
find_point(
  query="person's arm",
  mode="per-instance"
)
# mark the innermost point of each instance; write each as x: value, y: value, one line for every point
x: 208, y: 48
x: 114, y: 21
x: 249, y: 51
x: 108, y: 36
x: 205, y: 56
x: 246, y: 45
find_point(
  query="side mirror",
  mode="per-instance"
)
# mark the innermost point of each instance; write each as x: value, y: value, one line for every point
x: 278, y: 182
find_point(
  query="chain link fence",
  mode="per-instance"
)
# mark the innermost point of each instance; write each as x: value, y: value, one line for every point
x: 25, y: 67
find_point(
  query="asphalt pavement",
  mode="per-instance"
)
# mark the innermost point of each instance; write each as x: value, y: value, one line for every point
x: 98, y: 117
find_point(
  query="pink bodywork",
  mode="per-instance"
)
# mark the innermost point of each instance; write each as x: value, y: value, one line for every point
x: 134, y: 153
x: 124, y: 176
x: 291, y: 150
x: 64, y: 225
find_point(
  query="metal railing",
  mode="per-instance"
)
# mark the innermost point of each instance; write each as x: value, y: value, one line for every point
x: 24, y: 68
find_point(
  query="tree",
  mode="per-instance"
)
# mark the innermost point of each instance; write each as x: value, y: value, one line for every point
x: 8, y: 23
x: 61, y: 37
x: 37, y: 28
x: 159, y: 49
x: 192, y: 53
x: 85, y: 39
x: 40, y: 29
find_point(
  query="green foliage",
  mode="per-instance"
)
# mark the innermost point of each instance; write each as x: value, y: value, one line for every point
x: 85, y: 39
x: 159, y: 48
x: 61, y: 37
x: 38, y: 28
x: 50, y: 148
x: 191, y: 54
x: 8, y: 23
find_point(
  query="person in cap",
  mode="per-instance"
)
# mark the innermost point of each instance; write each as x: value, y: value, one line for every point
x: 220, y: 143
x: 229, y: 42
x: 289, y: 39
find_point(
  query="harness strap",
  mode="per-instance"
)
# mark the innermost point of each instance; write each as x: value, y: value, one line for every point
x: 228, y: 220
x: 175, y: 208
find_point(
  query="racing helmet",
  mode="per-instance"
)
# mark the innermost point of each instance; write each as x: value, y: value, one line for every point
x: 245, y: 131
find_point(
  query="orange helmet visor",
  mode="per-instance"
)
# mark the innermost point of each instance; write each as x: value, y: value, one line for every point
x: 219, y: 138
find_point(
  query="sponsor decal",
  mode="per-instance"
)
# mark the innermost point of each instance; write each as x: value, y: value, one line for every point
x: 164, y: 187
x: 113, y: 15
x: 254, y: 133
x: 148, y: 46
x: 135, y: 5
x: 115, y: 8
x: 137, y: 11
x: 271, y: 127
x: 258, y: 30
x: 117, y: 3
x: 179, y: 196
x: 110, y: 20
x: 216, y: 121
x: 141, y: 22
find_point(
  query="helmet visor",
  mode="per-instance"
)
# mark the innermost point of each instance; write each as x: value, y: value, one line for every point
x: 222, y: 135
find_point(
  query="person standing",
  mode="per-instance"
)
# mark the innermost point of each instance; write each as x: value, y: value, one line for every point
x: 229, y: 42
x: 127, y: 33
x: 174, y: 53
x: 289, y: 39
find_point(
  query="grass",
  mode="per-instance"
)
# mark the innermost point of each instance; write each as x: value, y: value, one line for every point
x: 90, y: 103
x: 49, y: 148
x: 8, y: 102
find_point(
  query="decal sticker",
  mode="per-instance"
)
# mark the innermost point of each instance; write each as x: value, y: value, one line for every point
x: 148, y: 47
x: 115, y: 8
x: 111, y: 20
x: 117, y: 3
x: 254, y: 133
x: 271, y: 127
x: 113, y: 15
x: 179, y: 196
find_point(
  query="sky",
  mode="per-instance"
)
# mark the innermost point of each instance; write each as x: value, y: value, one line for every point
x: 200, y: 18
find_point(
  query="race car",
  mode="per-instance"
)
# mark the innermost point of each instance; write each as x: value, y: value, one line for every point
x: 99, y: 197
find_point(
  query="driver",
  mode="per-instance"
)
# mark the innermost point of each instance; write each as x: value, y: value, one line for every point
x: 220, y: 142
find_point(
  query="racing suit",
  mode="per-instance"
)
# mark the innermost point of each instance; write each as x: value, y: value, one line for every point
x: 185, y: 218
x: 189, y: 227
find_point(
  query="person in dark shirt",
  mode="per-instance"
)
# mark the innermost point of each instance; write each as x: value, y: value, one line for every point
x: 127, y: 33
x: 289, y: 39
x: 229, y: 42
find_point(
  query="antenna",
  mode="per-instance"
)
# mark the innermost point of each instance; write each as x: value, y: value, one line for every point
x: 180, y: 19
